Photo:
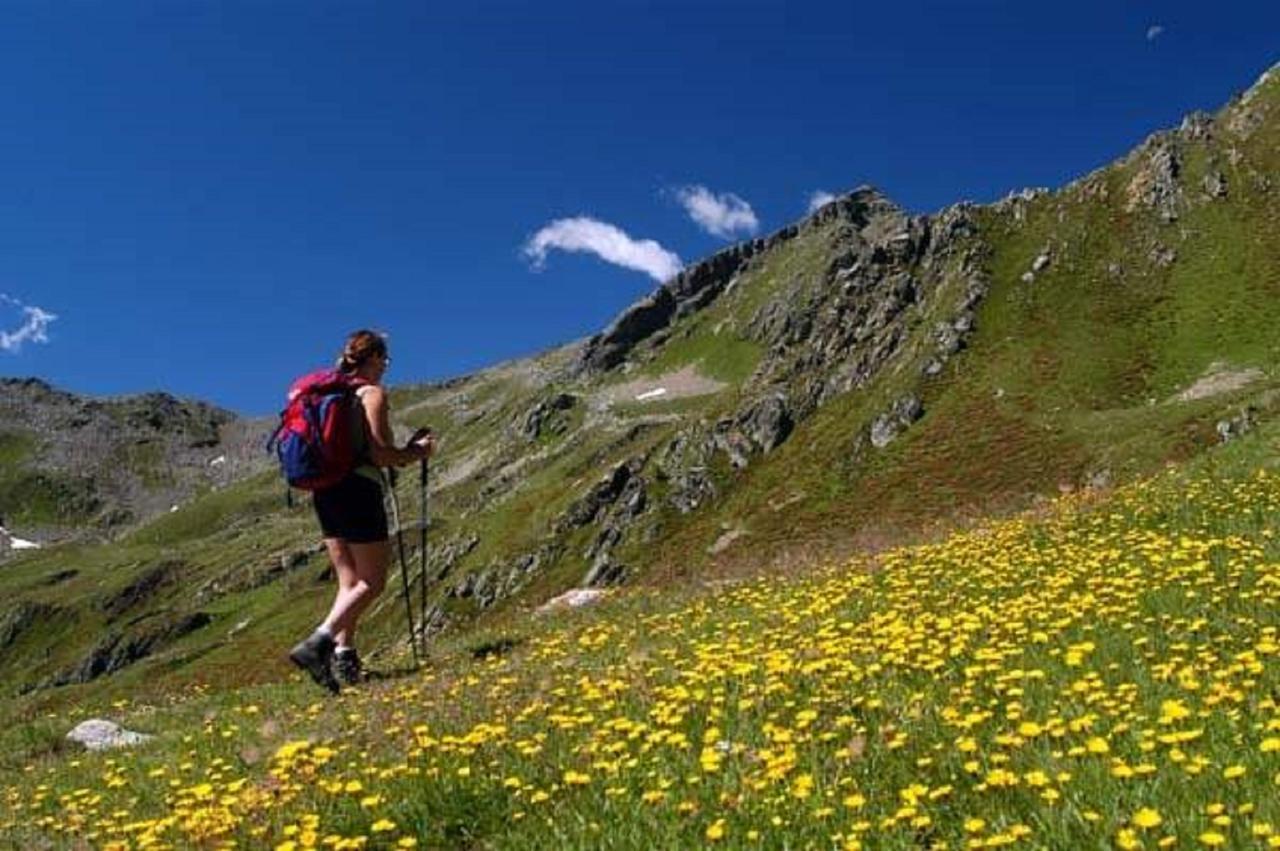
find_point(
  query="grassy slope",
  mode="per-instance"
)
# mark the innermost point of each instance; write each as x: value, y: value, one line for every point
x: 1059, y: 382
x: 1055, y: 386
x: 1046, y: 677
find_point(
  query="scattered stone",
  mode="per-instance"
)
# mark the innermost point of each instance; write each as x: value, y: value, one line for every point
x: 603, y: 572
x: 723, y: 542
x: 1162, y: 256
x: 573, y: 599
x: 97, y: 734
x: 543, y: 416
x: 1099, y: 479
x: 1215, y: 184
x: 1237, y: 426
x: 890, y: 424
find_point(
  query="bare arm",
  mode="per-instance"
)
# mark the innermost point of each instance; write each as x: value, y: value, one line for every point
x: 382, y: 449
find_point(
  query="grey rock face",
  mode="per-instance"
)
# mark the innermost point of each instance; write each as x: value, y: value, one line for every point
x: 1155, y: 184
x: 98, y: 734
x: 683, y: 465
x: 890, y: 424
x: 690, y: 290
x: 589, y: 507
x: 543, y: 416
x: 768, y: 422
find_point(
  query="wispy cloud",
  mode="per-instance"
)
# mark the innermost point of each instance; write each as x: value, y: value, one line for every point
x: 1154, y: 31
x: 724, y: 215
x: 609, y: 243
x: 32, y: 329
x: 820, y: 198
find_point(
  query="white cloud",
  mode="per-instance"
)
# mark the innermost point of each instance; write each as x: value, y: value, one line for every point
x: 820, y: 198
x: 720, y: 215
x: 609, y: 243
x: 32, y: 330
x: 1154, y: 32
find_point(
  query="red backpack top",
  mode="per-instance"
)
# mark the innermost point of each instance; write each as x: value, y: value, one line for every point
x: 315, y: 441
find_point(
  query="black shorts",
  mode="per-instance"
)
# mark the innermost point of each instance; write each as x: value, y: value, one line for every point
x: 352, y: 510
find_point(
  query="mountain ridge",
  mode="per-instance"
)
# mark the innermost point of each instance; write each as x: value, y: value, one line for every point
x: 868, y: 374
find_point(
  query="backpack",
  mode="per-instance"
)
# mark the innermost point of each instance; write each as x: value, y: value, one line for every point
x: 316, y: 441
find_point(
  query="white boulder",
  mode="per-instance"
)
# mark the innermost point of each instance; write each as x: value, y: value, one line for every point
x: 97, y: 734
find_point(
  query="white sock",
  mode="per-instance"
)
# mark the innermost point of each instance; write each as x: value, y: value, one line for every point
x: 344, y: 648
x: 323, y: 629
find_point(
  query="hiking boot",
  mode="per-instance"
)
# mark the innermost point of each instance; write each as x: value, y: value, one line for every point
x: 347, y: 666
x: 313, y: 655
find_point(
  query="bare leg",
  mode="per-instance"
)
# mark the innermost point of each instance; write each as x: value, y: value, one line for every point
x: 362, y: 574
x: 344, y: 566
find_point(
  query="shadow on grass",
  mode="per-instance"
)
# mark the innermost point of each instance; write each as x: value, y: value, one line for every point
x: 377, y: 675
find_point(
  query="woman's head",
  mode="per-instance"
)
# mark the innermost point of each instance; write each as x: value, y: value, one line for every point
x: 364, y: 352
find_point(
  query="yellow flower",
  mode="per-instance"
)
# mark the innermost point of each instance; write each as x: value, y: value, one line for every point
x: 1146, y: 818
x: 382, y: 825
x: 1212, y: 838
x: 1234, y: 771
x: 716, y: 830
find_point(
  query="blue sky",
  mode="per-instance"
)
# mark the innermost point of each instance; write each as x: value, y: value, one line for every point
x: 204, y: 198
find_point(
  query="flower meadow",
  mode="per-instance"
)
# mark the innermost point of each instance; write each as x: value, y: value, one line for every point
x: 1098, y: 673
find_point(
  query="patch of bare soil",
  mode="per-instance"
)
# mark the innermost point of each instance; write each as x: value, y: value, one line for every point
x: 1218, y: 378
x: 682, y: 383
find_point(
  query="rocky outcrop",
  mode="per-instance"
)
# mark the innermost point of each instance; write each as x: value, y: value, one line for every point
x: 165, y: 574
x: 692, y: 289
x: 1154, y: 184
x: 22, y: 616
x: 897, y: 419
x: 591, y: 506
x: 546, y: 416
x: 121, y: 649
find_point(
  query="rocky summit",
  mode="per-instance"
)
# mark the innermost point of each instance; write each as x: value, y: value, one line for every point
x: 866, y: 375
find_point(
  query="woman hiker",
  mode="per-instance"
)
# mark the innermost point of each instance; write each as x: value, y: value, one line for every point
x: 353, y: 519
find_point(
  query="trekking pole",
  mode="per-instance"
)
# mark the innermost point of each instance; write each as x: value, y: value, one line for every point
x: 404, y: 571
x: 423, y: 474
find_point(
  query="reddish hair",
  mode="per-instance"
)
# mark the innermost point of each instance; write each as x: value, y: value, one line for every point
x: 359, y: 347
